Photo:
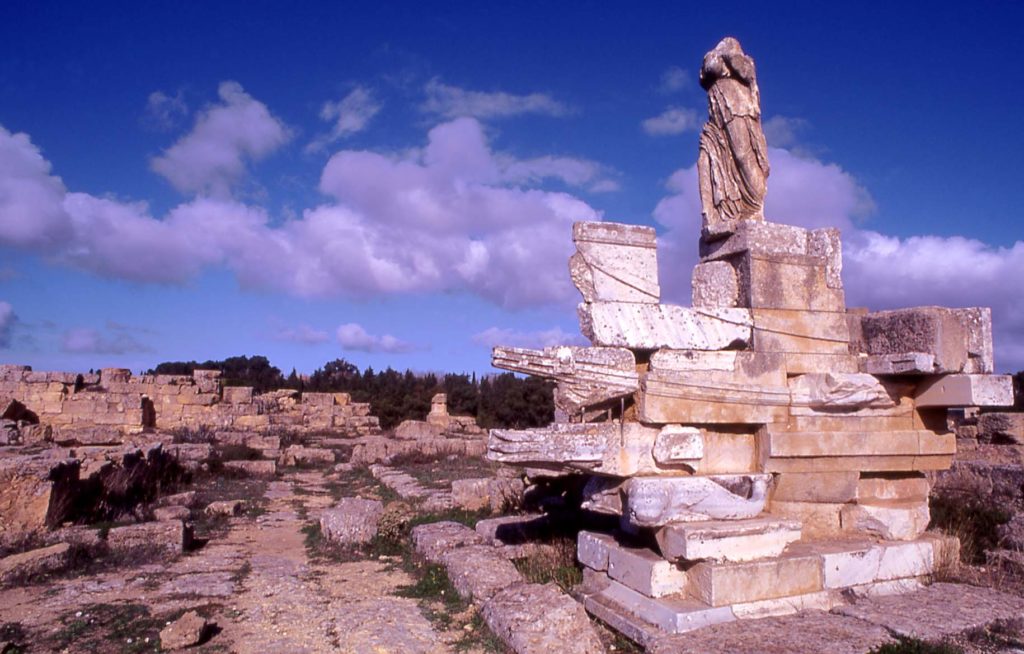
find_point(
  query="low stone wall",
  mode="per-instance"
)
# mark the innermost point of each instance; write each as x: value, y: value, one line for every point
x: 99, y: 407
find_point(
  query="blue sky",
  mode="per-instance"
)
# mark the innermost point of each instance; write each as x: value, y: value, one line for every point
x: 393, y: 184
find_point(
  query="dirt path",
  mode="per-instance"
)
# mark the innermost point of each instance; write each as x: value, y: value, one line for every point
x: 292, y: 605
x: 256, y: 581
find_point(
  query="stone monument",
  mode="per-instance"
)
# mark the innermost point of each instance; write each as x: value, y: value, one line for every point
x: 765, y: 450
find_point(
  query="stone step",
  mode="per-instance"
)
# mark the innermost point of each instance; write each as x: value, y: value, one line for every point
x: 636, y: 567
x: 676, y: 614
x: 722, y: 584
x: 727, y: 540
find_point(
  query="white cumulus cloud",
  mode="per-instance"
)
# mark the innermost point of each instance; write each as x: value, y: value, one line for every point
x: 212, y: 157
x: 451, y: 216
x: 352, y: 336
x: 453, y: 102
x: 350, y: 115
x: 672, y: 121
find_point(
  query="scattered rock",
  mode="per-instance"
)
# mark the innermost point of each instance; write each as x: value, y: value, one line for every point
x: 434, y: 539
x: 479, y: 571
x: 258, y: 469
x: 225, y: 507
x: 811, y: 631
x: 487, y: 492
x: 297, y: 455
x: 352, y: 520
x: 187, y: 498
x: 536, y: 619
x: 172, y: 513
x: 23, y: 566
x: 514, y: 529
x: 186, y: 631
x: 165, y: 537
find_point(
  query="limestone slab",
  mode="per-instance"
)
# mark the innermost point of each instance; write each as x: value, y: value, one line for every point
x: 977, y: 323
x: 904, y: 363
x: 641, y: 326
x: 966, y: 390
x: 831, y: 487
x: 615, y: 262
x: 677, y: 614
x: 889, y: 519
x: 811, y: 631
x: 851, y: 443
x: 892, y: 487
x: 644, y: 571
x: 727, y: 540
x: 721, y: 584
x: 540, y: 618
x: 822, y: 600
x: 817, y: 519
x: 797, y: 363
x: 715, y: 284
x: 804, y: 332
x: 937, y: 612
x: 895, y: 463
x: 592, y: 549
x: 848, y: 567
x: 666, y: 398
x: 478, y: 572
x: 796, y: 282
x: 676, y: 444
x: 765, y: 238
x: 929, y: 330
x: 657, y: 501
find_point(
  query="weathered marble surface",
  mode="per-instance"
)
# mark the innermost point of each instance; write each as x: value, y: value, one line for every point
x: 615, y: 262
x: 619, y: 449
x: 732, y: 165
x: 657, y: 501
x: 653, y: 326
x: 857, y: 390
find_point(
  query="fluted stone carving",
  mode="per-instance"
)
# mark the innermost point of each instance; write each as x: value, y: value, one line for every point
x: 733, y: 162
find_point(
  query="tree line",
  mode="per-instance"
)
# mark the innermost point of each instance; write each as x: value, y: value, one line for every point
x: 502, y: 400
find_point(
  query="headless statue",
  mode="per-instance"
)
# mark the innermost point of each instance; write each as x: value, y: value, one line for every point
x: 733, y: 161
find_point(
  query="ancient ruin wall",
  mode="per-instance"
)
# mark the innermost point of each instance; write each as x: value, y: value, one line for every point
x: 95, y: 406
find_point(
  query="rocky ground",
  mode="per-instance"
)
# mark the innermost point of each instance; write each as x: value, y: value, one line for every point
x: 261, y: 576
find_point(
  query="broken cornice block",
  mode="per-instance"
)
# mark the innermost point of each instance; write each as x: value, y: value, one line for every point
x: 615, y: 262
x: 654, y: 326
x: 586, y: 376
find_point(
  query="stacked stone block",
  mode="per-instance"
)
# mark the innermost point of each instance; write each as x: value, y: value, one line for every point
x: 764, y: 450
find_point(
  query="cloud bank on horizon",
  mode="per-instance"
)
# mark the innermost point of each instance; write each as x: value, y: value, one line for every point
x: 451, y: 214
